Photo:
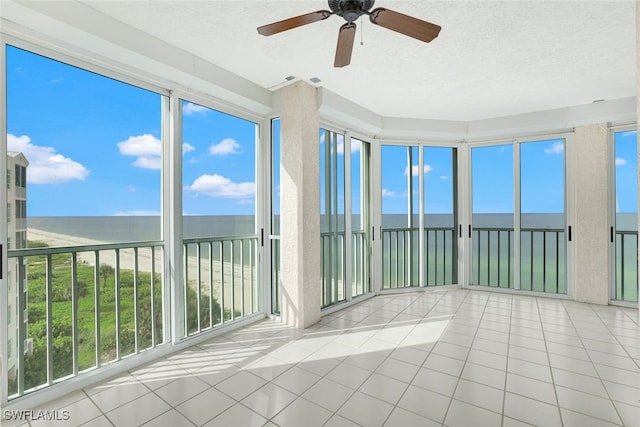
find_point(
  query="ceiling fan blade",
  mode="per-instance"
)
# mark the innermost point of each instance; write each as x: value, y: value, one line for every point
x: 346, y: 38
x: 405, y: 24
x: 298, y: 21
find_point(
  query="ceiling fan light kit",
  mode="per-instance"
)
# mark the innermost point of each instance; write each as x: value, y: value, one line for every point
x: 350, y: 11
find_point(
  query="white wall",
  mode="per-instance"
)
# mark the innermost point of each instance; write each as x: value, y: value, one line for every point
x: 591, y: 202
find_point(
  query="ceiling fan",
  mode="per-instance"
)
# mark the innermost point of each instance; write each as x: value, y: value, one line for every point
x: 351, y: 11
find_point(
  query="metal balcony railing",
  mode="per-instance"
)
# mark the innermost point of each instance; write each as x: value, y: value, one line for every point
x: 626, y: 286
x: 275, y: 274
x: 220, y: 280
x: 542, y: 259
x: 492, y: 263
x: 332, y: 267
x: 332, y: 261
x: 81, y: 307
x: 401, y: 255
x: 360, y: 256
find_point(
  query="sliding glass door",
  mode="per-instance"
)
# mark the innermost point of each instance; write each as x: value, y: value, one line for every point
x: 419, y: 216
x: 440, y: 214
x: 625, y: 237
x: 344, y: 217
x: 518, y: 216
x: 493, y: 216
x: 400, y: 216
x: 542, y: 217
x: 360, y: 197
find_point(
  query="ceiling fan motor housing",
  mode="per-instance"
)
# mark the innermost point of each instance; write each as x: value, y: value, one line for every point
x: 350, y: 10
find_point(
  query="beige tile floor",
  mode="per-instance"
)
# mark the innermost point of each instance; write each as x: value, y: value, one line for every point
x: 436, y: 358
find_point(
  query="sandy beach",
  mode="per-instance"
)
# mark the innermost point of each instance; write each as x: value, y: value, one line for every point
x: 144, y: 260
x: 108, y: 257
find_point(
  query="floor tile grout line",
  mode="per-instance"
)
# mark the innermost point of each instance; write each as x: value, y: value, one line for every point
x: 99, y: 408
x: 444, y: 304
x: 617, y: 340
x: 298, y: 396
x: 335, y: 413
x: 597, y: 373
x: 453, y: 393
x: 506, y: 369
x: 369, y: 376
x: 444, y: 293
x: 555, y: 389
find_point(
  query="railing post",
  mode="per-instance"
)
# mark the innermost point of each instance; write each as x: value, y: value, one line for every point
x: 117, y: 305
x: 74, y: 310
x: 136, y: 311
x: 22, y: 326
x: 96, y: 305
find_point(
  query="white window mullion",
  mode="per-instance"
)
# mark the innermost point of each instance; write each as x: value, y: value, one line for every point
x: 347, y: 217
x: 421, y: 224
x: 516, y: 215
x: 570, y: 211
x: 3, y: 229
x: 464, y: 216
x: 263, y: 213
x: 376, y: 217
x: 172, y: 218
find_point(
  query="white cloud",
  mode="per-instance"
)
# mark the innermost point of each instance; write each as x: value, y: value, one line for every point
x: 226, y: 146
x: 444, y: 177
x: 148, y: 150
x: 131, y: 188
x: 415, y: 170
x: 629, y: 133
x: 148, y: 162
x: 620, y: 161
x: 146, y: 147
x: 391, y: 193
x: 355, y: 146
x: 556, y: 148
x: 136, y: 213
x: 45, y: 165
x: 187, y: 148
x: 191, y: 108
x: 143, y: 146
x: 219, y: 186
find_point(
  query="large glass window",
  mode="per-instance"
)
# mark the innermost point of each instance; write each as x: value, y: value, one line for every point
x: 360, y: 221
x: 219, y: 217
x: 542, y: 217
x: 492, y: 192
x: 344, y: 217
x: 84, y: 151
x: 626, y: 218
x: 332, y: 216
x: 275, y: 215
x: 400, y: 216
x: 440, y: 216
x: 534, y: 246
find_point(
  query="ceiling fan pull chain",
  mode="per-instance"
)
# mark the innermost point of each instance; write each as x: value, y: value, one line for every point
x: 361, y: 32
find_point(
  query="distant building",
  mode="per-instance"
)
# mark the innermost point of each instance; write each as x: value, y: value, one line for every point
x: 16, y: 239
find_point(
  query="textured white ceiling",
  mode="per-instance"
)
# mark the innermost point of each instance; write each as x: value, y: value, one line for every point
x: 492, y: 58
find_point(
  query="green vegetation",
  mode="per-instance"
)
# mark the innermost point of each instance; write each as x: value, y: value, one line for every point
x: 35, y: 369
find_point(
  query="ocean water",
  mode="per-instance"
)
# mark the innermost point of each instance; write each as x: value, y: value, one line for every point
x: 113, y: 229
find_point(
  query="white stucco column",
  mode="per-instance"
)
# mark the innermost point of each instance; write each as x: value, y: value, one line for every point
x: 300, y: 205
x: 591, y: 227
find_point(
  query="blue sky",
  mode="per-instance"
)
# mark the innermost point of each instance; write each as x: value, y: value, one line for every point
x: 94, y: 149
x: 94, y: 145
x: 626, y: 154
